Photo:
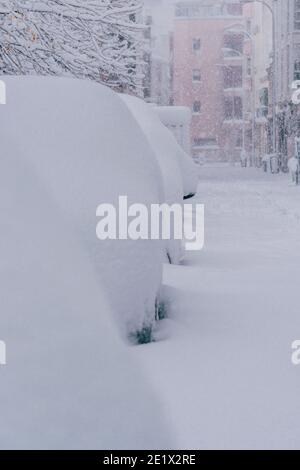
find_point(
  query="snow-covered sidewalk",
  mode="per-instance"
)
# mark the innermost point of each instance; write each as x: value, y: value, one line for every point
x: 223, y: 369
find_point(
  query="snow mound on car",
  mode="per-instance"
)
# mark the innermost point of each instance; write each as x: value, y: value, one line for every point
x: 86, y: 148
x: 166, y: 152
x: 69, y: 381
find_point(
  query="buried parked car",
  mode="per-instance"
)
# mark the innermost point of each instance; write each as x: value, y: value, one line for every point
x: 168, y: 151
x: 84, y: 145
x: 160, y: 140
x: 178, y: 119
x: 69, y: 381
x: 168, y: 155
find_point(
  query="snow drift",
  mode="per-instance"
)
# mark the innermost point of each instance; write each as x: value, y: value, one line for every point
x: 178, y: 120
x: 162, y: 143
x: 173, y: 117
x: 69, y: 382
x: 86, y: 148
x: 159, y: 139
x: 169, y: 153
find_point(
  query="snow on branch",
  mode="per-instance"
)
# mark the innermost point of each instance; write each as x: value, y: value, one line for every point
x: 96, y: 39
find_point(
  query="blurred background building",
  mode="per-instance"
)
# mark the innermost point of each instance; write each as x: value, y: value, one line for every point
x: 212, y: 71
x: 159, y: 19
x: 287, y: 14
x: 217, y: 58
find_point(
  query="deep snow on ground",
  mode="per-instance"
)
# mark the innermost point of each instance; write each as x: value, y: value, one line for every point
x: 70, y: 382
x: 85, y: 159
x: 223, y: 369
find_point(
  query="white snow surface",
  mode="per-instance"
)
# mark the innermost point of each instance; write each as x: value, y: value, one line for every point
x: 188, y: 171
x: 223, y: 367
x: 170, y: 155
x: 69, y: 381
x: 174, y: 115
x: 293, y: 164
x: 86, y: 148
x: 163, y: 145
x: 180, y: 116
x: 166, y: 151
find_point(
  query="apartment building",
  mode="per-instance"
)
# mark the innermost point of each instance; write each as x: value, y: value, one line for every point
x: 261, y: 33
x: 213, y: 75
x: 158, y: 17
x: 287, y: 14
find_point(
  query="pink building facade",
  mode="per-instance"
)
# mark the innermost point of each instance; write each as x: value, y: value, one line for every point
x: 213, y: 76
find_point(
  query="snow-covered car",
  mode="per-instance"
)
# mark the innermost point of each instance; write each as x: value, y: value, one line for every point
x: 189, y: 173
x: 84, y: 144
x: 160, y: 140
x: 178, y: 119
x: 168, y: 154
x: 69, y: 381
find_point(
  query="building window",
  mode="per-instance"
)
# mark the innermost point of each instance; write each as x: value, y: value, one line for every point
x: 196, y: 44
x: 147, y: 93
x: 288, y: 58
x: 196, y: 10
x: 148, y: 20
x: 233, y: 77
x: 196, y: 107
x: 297, y: 15
x: 249, y: 66
x: 182, y: 11
x: 233, y: 108
x: 248, y: 26
x: 239, y: 139
x: 297, y: 70
x: 234, y: 9
x: 263, y: 109
x: 205, y: 142
x: 196, y: 75
x: 235, y: 43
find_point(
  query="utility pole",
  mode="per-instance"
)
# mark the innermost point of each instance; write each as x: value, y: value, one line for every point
x: 237, y: 29
x: 274, y: 68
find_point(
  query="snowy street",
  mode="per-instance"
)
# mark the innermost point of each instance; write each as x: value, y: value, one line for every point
x: 223, y: 370
x: 150, y: 229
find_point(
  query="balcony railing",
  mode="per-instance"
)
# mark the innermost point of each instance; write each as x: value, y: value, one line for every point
x: 196, y: 10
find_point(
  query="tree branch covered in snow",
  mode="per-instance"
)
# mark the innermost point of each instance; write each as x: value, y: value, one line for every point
x: 95, y: 39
